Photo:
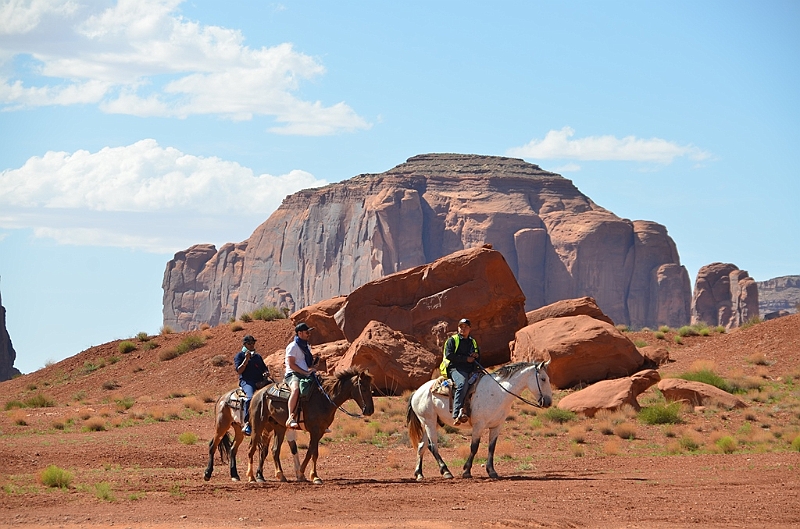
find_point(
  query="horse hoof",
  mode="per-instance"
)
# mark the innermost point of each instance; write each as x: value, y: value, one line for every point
x: 317, y: 481
x: 206, y: 477
x: 447, y: 475
x: 466, y: 475
x: 234, y: 479
x: 420, y: 477
x: 493, y: 475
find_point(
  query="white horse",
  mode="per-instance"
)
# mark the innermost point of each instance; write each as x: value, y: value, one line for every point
x: 491, y: 403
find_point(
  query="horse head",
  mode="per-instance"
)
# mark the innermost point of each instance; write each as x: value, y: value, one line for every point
x: 362, y: 392
x: 540, y: 384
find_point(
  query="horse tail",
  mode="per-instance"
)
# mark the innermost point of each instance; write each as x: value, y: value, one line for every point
x: 225, y: 447
x: 414, y: 426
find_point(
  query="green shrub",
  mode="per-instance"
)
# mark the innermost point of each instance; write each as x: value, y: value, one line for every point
x: 688, y: 443
x: 246, y: 318
x: 149, y: 345
x: 168, y: 354
x: 53, y: 476
x: 796, y: 444
x: 687, y: 330
x: 14, y: 404
x: 664, y: 328
x: 125, y: 403
x: 103, y: 491
x: 236, y: 327
x: 166, y: 329
x: 661, y: 414
x: 659, y: 335
x: 143, y: 336
x: 727, y: 444
x: 190, y: 343
x: 755, y: 320
x: 707, y: 376
x: 39, y: 401
x: 720, y: 329
x: 187, y: 438
x: 126, y: 346
x: 558, y: 415
x: 640, y: 343
x: 679, y: 340
x: 267, y: 314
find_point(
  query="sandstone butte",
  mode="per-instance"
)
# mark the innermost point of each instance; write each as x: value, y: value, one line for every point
x: 326, y: 242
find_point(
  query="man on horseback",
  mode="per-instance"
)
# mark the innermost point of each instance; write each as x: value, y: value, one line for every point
x: 461, y: 359
x: 253, y: 374
x: 299, y: 365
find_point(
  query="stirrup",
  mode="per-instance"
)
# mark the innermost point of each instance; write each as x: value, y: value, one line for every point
x: 291, y: 422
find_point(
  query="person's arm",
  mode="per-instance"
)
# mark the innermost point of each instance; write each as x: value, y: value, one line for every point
x: 241, y: 367
x: 297, y: 369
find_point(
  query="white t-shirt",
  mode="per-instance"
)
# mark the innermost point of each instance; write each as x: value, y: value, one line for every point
x: 293, y: 350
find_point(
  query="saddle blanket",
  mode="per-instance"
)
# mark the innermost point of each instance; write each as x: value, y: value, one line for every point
x: 279, y: 391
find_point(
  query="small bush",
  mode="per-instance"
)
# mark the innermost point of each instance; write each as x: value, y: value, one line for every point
x: 558, y: 415
x: 194, y: 403
x: 661, y: 414
x: 235, y: 326
x: 187, y: 438
x: 640, y: 343
x: 246, y: 318
x: 796, y: 444
x: 622, y: 327
x: 219, y: 361
x: 126, y: 346
x: 625, y: 430
x: 687, y: 442
x: 190, y: 343
x: 659, y: 335
x: 664, y: 328
x: 90, y: 367
x: 755, y: 320
x: 727, y: 444
x: 109, y: 385
x: 166, y: 329
x: 678, y: 340
x: 759, y: 359
x: 125, y: 403
x: 720, y: 329
x: 168, y: 354
x: 103, y: 491
x: 14, y: 404
x: 267, y: 314
x: 94, y: 424
x: 143, y: 336
x: 708, y: 377
x: 53, y: 476
x: 148, y: 346
x: 39, y: 401
x: 687, y: 330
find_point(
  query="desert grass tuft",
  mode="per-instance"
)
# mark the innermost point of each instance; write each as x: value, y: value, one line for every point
x: 194, y: 404
x: 166, y: 329
x: 557, y: 415
x: 188, y: 438
x: 235, y: 326
x: 142, y: 336
x: 661, y: 414
x: 55, y: 477
x: 126, y: 346
x: 625, y: 430
x: 103, y: 492
x: 94, y: 424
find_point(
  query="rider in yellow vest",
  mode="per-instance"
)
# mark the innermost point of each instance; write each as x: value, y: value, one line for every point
x: 461, y: 359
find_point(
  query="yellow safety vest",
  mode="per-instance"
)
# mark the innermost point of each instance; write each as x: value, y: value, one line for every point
x: 445, y: 361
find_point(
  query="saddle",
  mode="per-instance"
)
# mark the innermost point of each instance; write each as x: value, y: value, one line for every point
x: 445, y: 387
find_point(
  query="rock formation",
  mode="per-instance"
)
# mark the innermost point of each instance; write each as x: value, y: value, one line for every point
x: 610, y: 394
x: 326, y: 242
x: 724, y: 295
x: 7, y: 353
x: 778, y: 294
x: 698, y: 394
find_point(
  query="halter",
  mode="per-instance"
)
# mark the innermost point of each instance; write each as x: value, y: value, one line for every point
x: 523, y: 399
x: 361, y: 393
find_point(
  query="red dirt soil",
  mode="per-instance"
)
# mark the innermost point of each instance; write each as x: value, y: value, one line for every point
x: 547, y: 478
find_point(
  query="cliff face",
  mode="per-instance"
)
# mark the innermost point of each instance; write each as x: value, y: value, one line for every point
x: 321, y: 243
x: 779, y: 293
x: 7, y: 353
x: 724, y: 295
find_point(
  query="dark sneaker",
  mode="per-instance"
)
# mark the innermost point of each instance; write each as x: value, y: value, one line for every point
x: 247, y: 430
x: 462, y: 417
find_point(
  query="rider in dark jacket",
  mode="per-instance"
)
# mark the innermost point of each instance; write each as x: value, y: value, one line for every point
x: 253, y: 374
x: 461, y: 359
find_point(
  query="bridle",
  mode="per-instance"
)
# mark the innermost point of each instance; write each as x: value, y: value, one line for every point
x: 362, y: 405
x: 538, y: 404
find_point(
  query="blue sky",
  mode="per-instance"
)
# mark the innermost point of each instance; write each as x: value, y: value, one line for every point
x: 137, y: 128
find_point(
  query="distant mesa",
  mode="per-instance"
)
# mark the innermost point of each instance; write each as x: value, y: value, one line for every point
x: 779, y: 296
x: 327, y: 242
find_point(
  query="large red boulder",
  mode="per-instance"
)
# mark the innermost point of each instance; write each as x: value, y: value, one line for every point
x: 427, y: 301
x: 610, y: 394
x: 568, y: 307
x: 581, y: 350
x: 396, y: 362
x: 698, y: 393
x: 320, y: 316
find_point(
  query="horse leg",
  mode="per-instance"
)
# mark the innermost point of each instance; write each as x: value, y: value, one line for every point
x: 433, y: 439
x: 473, y: 449
x: 254, y: 445
x: 291, y: 436
x: 313, y: 452
x: 276, y: 453
x: 223, y: 423
x: 212, y: 449
x: 493, y: 435
x: 236, y: 442
x: 263, y: 447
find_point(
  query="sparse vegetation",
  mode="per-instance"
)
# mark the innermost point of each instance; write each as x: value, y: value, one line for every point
x: 235, y: 326
x: 143, y: 336
x: 707, y: 376
x: 126, y: 346
x: 661, y: 414
x: 557, y: 415
x: 755, y: 320
x: 166, y: 329
x: 103, y: 492
x: 54, y: 476
x: 189, y: 343
x: 659, y: 335
x: 267, y: 314
x: 187, y: 438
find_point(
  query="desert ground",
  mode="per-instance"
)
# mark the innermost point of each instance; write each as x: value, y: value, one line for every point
x: 131, y: 432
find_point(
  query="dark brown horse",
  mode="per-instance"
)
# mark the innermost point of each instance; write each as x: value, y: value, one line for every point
x: 268, y: 414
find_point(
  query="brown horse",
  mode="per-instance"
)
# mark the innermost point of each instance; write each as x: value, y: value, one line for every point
x: 225, y: 419
x: 268, y: 414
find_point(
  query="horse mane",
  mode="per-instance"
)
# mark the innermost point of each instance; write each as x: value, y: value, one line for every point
x: 509, y: 370
x: 332, y: 383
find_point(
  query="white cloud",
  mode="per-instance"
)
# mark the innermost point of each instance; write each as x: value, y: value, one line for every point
x: 142, y: 196
x: 140, y: 57
x: 567, y: 168
x: 558, y: 145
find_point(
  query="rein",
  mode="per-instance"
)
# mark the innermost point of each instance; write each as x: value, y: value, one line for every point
x: 523, y: 399
x: 354, y: 415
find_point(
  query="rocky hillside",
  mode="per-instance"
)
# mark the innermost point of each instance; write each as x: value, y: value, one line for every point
x: 325, y: 242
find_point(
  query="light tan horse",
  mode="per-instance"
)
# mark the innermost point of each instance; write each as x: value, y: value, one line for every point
x: 268, y: 414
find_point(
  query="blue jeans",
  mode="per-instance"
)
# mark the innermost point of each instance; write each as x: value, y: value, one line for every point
x: 459, y: 378
x: 249, y: 389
